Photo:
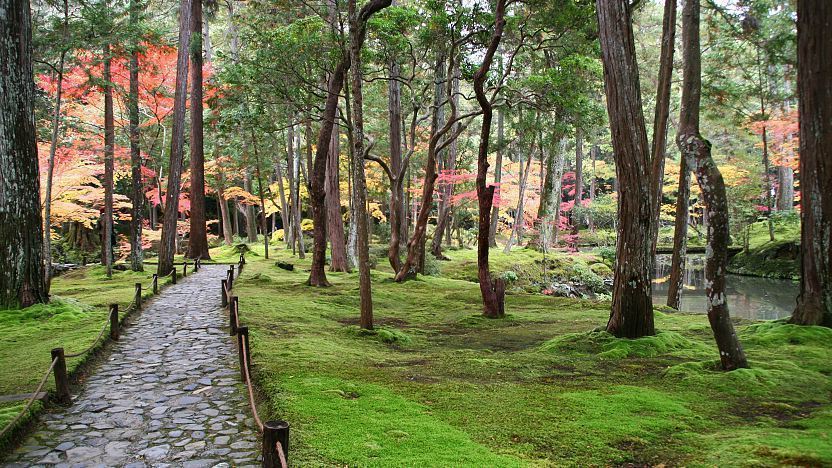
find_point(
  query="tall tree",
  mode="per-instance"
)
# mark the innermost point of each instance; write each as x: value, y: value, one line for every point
x: 632, y: 304
x: 335, y: 226
x: 814, y: 85
x: 137, y: 188
x: 109, y: 152
x: 697, y: 151
x: 498, y: 174
x: 492, y: 289
x: 317, y: 195
x: 198, y: 238
x: 53, y: 146
x: 21, y: 225
x: 167, y: 247
x: 359, y: 185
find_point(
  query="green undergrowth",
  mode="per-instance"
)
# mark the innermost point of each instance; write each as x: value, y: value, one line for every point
x: 436, y: 384
x: 72, y: 320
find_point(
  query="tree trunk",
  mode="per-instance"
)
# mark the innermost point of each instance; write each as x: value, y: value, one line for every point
x: 198, y: 238
x: 317, y: 193
x: 359, y: 186
x: 21, y: 225
x: 520, y: 212
x: 137, y: 188
x: 680, y: 238
x: 397, y: 208
x: 593, y: 154
x: 261, y: 189
x: 227, y: 225
x: 53, y: 147
x: 658, y: 149
x: 492, y: 289
x: 335, y: 224
x: 167, y: 247
x: 814, y: 73
x: 249, y: 213
x: 285, y: 214
x: 785, y: 188
x: 697, y: 151
x: 549, y: 209
x: 579, y: 177
x: 498, y: 173
x: 298, y: 213
x: 767, y: 183
x: 632, y: 305
x: 109, y: 150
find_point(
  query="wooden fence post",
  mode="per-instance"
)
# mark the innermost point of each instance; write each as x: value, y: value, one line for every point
x: 155, y: 284
x: 232, y: 313
x: 231, y: 273
x: 223, y: 294
x: 138, y: 295
x: 242, y: 343
x: 61, y: 380
x: 173, y: 275
x: 275, y: 432
x: 114, y: 331
x: 184, y: 269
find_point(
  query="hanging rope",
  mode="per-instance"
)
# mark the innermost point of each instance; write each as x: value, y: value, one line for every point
x: 31, y: 401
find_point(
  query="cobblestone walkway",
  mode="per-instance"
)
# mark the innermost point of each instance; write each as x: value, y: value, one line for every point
x: 168, y: 394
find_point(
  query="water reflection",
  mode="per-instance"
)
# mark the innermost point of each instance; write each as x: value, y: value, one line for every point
x: 748, y: 297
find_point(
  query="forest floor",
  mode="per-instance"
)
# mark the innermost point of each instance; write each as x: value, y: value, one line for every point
x: 438, y: 385
x: 767, y: 258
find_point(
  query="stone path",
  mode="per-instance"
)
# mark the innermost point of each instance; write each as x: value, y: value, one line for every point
x: 168, y: 395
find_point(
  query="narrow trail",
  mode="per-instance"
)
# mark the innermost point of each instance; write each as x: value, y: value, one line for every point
x: 167, y: 395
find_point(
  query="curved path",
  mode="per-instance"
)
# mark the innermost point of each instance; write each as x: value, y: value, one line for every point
x: 167, y: 395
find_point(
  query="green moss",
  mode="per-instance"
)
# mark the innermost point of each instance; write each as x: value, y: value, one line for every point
x: 778, y: 334
x: 606, y: 346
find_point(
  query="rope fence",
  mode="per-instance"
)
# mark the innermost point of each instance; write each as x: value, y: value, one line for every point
x: 58, y: 365
x: 275, y: 434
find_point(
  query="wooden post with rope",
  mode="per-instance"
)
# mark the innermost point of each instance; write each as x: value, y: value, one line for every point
x: 242, y: 345
x: 232, y: 314
x: 114, y: 331
x: 61, y: 380
x: 155, y: 284
x: 138, y: 296
x: 173, y: 276
x: 224, y: 293
x: 184, y: 268
x: 275, y: 444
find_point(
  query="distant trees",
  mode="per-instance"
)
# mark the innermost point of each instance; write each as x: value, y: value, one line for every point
x: 814, y: 82
x: 21, y: 225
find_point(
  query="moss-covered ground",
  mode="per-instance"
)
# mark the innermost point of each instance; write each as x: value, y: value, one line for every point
x: 771, y: 259
x: 437, y: 385
x: 72, y: 320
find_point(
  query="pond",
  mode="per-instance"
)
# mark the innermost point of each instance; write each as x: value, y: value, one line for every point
x: 748, y: 296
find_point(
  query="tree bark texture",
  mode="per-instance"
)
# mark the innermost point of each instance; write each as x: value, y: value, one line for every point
x: 21, y: 225
x: 137, y: 188
x: 498, y: 174
x: 198, y: 238
x: 680, y: 238
x: 109, y: 152
x: 814, y: 84
x: 632, y: 305
x: 335, y: 224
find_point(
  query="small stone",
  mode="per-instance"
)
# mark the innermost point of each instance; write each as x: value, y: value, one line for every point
x: 64, y: 446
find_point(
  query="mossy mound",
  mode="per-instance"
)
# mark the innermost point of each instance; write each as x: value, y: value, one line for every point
x: 59, y: 309
x: 778, y: 259
x: 607, y: 346
x: 384, y: 335
x: 779, y: 333
x: 259, y: 278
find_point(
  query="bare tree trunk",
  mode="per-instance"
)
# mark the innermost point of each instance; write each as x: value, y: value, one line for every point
x: 261, y: 189
x: 284, y: 205
x: 549, y: 208
x: 21, y: 225
x: 109, y: 150
x: 53, y: 147
x: 397, y: 208
x: 198, y: 238
x: 359, y: 185
x: 814, y: 73
x: 249, y: 213
x: 767, y: 183
x: 443, y: 214
x: 335, y: 225
x: 697, y: 151
x: 785, y: 188
x: 579, y: 177
x: 520, y: 212
x: 167, y: 246
x: 227, y: 225
x: 680, y: 238
x: 492, y: 289
x: 593, y: 154
x: 658, y: 149
x: 137, y: 188
x: 632, y: 305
